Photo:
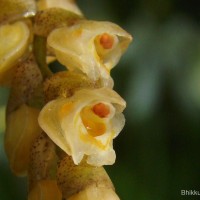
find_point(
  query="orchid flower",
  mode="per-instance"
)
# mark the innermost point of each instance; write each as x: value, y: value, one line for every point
x: 91, y: 47
x: 85, y: 124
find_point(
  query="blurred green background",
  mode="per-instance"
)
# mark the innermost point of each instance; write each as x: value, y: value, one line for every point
x: 159, y: 77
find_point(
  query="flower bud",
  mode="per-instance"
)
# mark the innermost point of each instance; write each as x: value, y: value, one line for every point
x: 20, y: 136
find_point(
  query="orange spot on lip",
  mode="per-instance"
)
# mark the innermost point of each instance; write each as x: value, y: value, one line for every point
x: 106, y: 41
x: 101, y: 110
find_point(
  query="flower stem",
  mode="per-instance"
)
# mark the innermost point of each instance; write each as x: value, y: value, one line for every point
x: 39, y: 49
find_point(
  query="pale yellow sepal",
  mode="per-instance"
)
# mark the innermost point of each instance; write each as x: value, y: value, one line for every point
x: 95, y: 193
x: 47, y: 20
x: 85, y: 124
x: 65, y: 4
x: 65, y: 83
x: 21, y: 130
x: 16, y: 9
x: 92, y: 47
x: 73, y: 178
x: 43, y: 160
x: 14, y: 40
x: 45, y: 190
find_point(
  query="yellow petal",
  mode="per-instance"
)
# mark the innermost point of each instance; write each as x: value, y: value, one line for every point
x: 49, y: 122
x: 22, y: 129
x: 14, y: 40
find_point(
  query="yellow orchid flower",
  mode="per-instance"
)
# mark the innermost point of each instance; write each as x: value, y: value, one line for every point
x: 85, y: 124
x: 93, y: 47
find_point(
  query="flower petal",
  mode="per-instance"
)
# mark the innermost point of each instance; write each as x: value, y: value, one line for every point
x: 49, y: 122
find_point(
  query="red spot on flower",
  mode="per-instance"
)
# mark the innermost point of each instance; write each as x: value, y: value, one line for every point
x: 101, y: 110
x: 106, y: 41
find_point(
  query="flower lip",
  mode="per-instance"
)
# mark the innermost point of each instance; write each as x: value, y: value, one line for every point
x: 93, y: 123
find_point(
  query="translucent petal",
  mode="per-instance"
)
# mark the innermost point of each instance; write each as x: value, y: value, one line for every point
x: 100, y: 159
x: 49, y: 121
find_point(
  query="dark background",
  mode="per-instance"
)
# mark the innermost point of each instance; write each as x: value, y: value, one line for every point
x: 159, y: 77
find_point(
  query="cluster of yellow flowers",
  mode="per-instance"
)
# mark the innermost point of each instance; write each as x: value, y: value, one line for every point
x: 77, y: 109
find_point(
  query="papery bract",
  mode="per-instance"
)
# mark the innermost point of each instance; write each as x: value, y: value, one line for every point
x: 90, y: 46
x: 97, y: 193
x: 85, y: 124
x: 45, y: 190
x: 49, y: 19
x: 65, y: 4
